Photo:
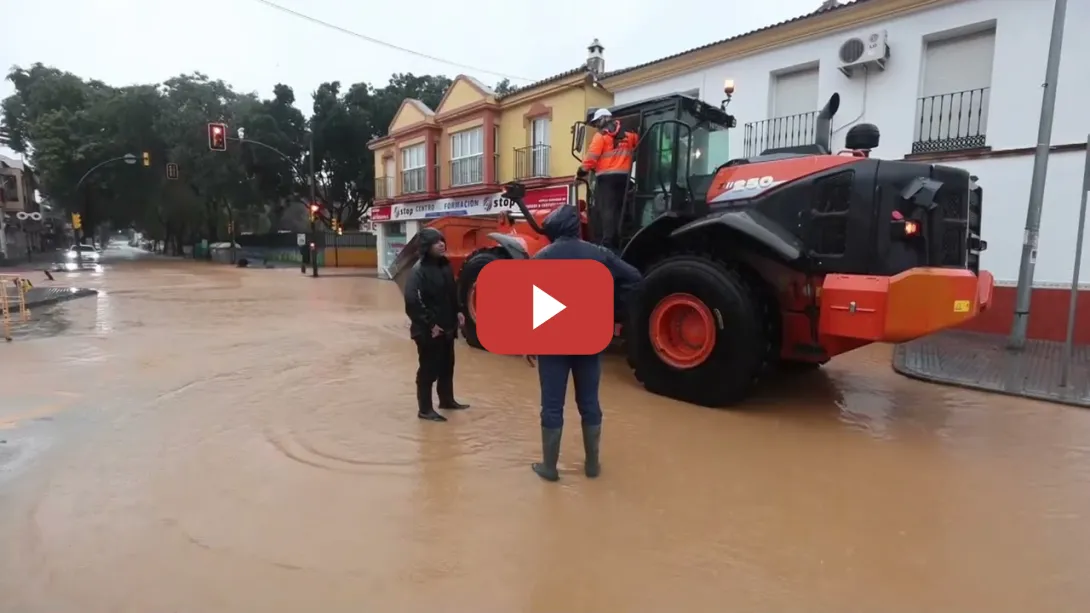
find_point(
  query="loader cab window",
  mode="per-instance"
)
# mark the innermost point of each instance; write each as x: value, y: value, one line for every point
x: 654, y: 165
x: 655, y: 158
x: 710, y: 149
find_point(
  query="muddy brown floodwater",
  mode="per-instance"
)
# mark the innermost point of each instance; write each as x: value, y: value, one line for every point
x: 202, y: 438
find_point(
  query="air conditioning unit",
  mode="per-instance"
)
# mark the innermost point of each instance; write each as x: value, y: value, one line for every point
x: 863, y: 53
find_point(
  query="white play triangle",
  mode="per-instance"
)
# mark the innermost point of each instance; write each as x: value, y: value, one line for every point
x: 545, y: 307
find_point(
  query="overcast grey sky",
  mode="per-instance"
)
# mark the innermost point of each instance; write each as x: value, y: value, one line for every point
x: 253, y: 46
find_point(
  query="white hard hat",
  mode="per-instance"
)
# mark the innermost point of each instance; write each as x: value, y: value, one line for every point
x: 601, y: 114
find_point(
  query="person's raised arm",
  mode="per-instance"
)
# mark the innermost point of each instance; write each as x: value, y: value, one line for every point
x: 625, y: 275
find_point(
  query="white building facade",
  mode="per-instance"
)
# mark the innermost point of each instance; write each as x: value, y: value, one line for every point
x: 960, y: 85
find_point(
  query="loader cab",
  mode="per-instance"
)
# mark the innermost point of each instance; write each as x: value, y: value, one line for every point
x: 682, y: 141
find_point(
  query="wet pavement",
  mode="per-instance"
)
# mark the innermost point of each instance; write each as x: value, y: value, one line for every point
x: 983, y: 362
x: 207, y: 438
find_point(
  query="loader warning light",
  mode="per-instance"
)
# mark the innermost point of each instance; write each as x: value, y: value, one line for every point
x: 904, y: 228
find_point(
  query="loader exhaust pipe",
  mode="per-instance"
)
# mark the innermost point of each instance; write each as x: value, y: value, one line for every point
x: 823, y: 125
x: 516, y: 192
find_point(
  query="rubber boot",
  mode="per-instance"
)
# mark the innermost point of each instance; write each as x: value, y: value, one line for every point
x: 550, y: 454
x: 592, y: 440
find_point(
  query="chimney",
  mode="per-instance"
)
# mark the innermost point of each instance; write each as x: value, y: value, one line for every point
x: 595, y: 62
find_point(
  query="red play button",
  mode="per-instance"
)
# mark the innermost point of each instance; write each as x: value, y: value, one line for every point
x: 545, y: 307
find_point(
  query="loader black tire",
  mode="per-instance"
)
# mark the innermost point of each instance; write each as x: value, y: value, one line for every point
x: 471, y: 269
x: 735, y: 362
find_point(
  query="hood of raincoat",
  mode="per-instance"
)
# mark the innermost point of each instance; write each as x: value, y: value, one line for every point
x: 564, y: 222
x: 427, y: 238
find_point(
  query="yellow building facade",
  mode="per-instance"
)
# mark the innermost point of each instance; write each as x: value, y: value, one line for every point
x: 454, y: 159
x: 536, y: 127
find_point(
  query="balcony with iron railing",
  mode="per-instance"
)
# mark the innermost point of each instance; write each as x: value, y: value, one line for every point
x: 384, y: 188
x: 414, y: 181
x: 532, y: 162
x: 951, y: 122
x: 467, y: 171
x: 776, y: 132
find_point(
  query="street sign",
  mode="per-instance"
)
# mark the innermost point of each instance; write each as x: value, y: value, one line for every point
x: 301, y: 239
x: 172, y: 170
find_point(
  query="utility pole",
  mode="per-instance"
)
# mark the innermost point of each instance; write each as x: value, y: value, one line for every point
x: 1037, y: 186
x: 314, y: 216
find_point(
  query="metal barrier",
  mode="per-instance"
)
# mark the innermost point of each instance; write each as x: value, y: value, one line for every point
x: 20, y: 286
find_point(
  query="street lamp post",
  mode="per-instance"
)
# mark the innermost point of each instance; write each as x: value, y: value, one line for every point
x: 314, y: 216
x: 1020, y: 326
x: 129, y: 159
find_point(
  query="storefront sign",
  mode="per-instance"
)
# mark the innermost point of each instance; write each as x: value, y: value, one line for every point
x: 544, y: 198
x: 380, y: 213
x: 547, y: 197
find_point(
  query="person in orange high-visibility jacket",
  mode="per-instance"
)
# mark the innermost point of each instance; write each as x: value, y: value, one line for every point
x: 610, y: 159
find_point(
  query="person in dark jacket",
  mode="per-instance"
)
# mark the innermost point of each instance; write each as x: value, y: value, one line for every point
x: 431, y: 302
x: 562, y: 229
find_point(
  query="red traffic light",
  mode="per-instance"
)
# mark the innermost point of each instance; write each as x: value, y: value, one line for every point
x: 314, y: 208
x: 217, y: 137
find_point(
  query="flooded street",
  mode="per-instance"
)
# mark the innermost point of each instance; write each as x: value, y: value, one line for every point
x: 205, y: 438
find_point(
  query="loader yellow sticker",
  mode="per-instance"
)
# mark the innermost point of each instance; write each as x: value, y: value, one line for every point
x: 962, y: 306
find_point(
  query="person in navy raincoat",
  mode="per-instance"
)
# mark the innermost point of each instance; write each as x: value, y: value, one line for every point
x: 562, y: 229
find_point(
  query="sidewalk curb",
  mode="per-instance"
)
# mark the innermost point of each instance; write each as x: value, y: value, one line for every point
x: 975, y: 361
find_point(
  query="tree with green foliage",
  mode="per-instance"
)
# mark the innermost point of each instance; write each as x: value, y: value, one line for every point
x: 67, y: 125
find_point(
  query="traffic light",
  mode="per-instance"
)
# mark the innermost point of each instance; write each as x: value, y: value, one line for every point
x: 77, y: 221
x: 313, y: 212
x: 172, y: 170
x: 217, y: 137
x: 147, y: 159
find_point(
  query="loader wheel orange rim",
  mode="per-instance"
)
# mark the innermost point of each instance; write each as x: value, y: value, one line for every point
x: 682, y: 331
x: 471, y: 303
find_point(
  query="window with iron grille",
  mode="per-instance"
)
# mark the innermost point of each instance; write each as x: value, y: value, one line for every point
x: 467, y: 157
x: 792, y: 112
x: 413, y: 169
x: 952, y: 110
